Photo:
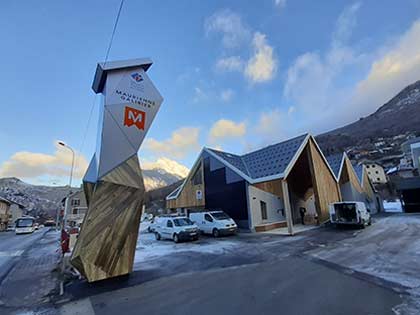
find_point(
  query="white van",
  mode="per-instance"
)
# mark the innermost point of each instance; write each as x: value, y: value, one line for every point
x: 214, y: 222
x: 350, y: 212
x: 176, y: 228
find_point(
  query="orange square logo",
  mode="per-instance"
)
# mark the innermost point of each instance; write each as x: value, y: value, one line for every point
x: 135, y: 117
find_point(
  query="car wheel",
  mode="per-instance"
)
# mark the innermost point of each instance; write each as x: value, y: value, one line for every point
x: 370, y: 221
x: 363, y: 225
x: 216, y: 233
x: 157, y: 235
x: 176, y: 238
x: 149, y: 230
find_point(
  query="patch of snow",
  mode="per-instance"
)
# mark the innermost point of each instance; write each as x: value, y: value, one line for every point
x: 148, y: 248
x: 389, y: 249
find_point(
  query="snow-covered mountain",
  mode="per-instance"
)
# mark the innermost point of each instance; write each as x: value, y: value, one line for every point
x: 157, y: 178
x: 45, y: 200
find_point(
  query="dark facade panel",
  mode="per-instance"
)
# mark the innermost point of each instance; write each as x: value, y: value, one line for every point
x: 231, y: 198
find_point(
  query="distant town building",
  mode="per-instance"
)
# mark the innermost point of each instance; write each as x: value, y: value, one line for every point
x: 411, y: 150
x: 76, y: 208
x: 376, y: 173
x: 4, y: 213
x: 9, y: 212
x: 16, y: 211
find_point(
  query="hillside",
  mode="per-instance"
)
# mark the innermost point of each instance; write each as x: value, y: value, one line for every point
x: 37, y: 199
x: 45, y: 200
x: 379, y: 135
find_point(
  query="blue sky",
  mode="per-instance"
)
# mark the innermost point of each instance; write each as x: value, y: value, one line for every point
x: 235, y: 75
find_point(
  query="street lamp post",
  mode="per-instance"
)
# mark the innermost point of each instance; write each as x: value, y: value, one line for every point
x: 63, y: 144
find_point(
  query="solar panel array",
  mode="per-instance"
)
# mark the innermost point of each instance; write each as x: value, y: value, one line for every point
x: 269, y: 161
x: 335, y: 162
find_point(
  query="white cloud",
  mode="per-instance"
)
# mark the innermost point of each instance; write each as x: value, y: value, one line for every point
x: 230, y: 64
x: 182, y: 142
x: 30, y: 165
x: 230, y: 25
x: 345, y: 24
x: 398, y: 67
x: 226, y: 95
x: 226, y: 129
x: 262, y: 65
x: 291, y: 110
x: 275, y: 125
x: 280, y: 3
x: 167, y: 165
x: 311, y: 80
x: 199, y: 95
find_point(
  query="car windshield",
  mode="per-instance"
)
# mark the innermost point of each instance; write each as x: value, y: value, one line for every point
x: 182, y: 222
x: 24, y: 223
x: 220, y: 215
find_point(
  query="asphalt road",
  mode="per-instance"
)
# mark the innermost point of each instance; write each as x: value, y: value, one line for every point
x: 267, y: 274
x: 290, y: 285
x: 28, y: 264
x: 12, y: 247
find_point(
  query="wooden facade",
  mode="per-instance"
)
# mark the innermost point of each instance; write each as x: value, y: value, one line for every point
x: 310, y: 181
x: 324, y: 184
x: 273, y: 186
x: 187, y: 197
x: 348, y: 174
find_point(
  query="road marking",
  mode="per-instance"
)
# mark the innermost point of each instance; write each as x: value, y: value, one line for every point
x: 80, y: 307
x: 14, y: 253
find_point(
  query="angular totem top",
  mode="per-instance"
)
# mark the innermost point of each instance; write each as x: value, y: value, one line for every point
x: 130, y: 103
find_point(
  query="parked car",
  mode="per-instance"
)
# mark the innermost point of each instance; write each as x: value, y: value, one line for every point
x: 214, y: 222
x: 176, y: 228
x: 354, y: 213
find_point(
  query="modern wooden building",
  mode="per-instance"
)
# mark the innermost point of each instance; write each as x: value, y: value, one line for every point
x: 354, y: 182
x: 263, y: 189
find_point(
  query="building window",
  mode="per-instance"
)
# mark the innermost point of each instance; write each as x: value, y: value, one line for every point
x: 378, y: 179
x: 75, y: 202
x: 197, y: 178
x: 207, y: 217
x: 263, y: 206
x: 377, y: 172
x: 75, y: 210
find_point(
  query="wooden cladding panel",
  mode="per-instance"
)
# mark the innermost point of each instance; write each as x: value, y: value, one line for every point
x: 187, y: 198
x: 272, y: 186
x: 107, y: 241
x: 325, y: 186
x: 349, y: 175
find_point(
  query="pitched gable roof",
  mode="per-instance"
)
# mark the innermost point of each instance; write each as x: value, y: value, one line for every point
x: 263, y: 163
x: 269, y: 163
x: 336, y: 161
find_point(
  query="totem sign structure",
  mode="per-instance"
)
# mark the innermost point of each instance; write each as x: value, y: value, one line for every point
x: 113, y: 183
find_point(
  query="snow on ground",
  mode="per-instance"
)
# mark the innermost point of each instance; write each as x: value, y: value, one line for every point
x: 389, y: 249
x: 392, y: 206
x: 148, y: 248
